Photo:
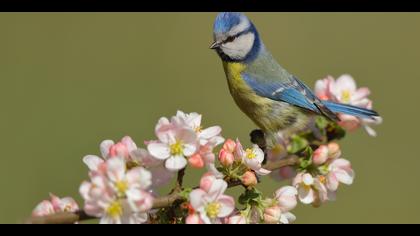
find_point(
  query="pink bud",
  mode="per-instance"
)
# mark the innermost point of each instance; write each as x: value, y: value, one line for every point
x: 119, y: 150
x: 320, y: 155
x: 226, y: 158
x: 207, y: 181
x: 334, y: 150
x: 229, y: 145
x: 249, y: 179
x: 272, y: 215
x: 196, y: 161
x: 193, y: 219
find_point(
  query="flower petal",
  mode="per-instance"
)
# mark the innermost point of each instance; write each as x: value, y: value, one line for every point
x: 92, y: 162
x: 105, y: 146
x: 129, y: 143
x: 306, y: 195
x: 210, y: 132
x: 175, y: 163
x: 160, y: 151
x: 139, y: 177
x: 227, y: 205
x: 115, y: 169
x: 197, y: 199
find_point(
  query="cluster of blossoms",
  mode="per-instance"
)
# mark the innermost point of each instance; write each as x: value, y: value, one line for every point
x: 124, y: 179
x: 344, y: 90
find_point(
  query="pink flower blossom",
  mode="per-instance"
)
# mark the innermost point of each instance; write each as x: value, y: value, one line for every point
x: 286, y: 198
x: 118, y: 195
x: 55, y: 205
x: 309, y: 188
x: 274, y: 215
x: 344, y: 90
x: 126, y: 149
x: 327, y: 152
x: 212, y: 205
x: 174, y: 146
x: 253, y: 158
x: 193, y: 121
x: 339, y: 171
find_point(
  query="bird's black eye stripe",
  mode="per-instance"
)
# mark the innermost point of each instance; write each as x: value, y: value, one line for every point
x: 230, y: 38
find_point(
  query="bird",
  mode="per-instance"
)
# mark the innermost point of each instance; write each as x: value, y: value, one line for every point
x: 274, y: 99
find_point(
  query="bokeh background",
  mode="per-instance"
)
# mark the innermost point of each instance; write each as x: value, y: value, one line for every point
x: 70, y: 80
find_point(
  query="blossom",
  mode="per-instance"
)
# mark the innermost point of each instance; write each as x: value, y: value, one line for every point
x: 161, y: 175
x: 310, y: 189
x: 126, y: 148
x: 193, y: 121
x: 118, y: 195
x: 253, y: 158
x: 205, y: 155
x: 344, y: 90
x: 339, y: 171
x: 278, y: 209
x: 55, y: 205
x: 274, y: 215
x: 175, y: 144
x: 286, y: 198
x: 212, y: 205
x: 326, y: 152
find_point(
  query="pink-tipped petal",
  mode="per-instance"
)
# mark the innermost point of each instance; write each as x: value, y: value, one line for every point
x: 227, y: 205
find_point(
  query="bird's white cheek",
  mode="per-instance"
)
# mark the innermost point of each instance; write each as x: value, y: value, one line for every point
x: 240, y: 47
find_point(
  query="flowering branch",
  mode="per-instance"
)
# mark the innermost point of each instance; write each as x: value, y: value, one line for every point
x: 124, y: 179
x: 161, y: 202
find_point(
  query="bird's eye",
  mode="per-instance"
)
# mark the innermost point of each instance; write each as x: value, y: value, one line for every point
x: 229, y: 39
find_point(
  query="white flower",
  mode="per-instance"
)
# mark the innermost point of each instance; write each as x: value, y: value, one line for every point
x: 174, y: 146
x: 253, y: 158
x: 212, y: 205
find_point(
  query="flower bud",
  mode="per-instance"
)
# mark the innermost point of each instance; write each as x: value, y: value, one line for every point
x: 272, y: 215
x: 119, y: 150
x: 207, y: 181
x: 196, y: 161
x: 193, y: 219
x: 320, y: 155
x: 334, y: 150
x: 229, y: 145
x: 226, y: 158
x: 249, y: 179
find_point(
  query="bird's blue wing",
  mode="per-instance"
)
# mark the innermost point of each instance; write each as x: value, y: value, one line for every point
x: 291, y: 90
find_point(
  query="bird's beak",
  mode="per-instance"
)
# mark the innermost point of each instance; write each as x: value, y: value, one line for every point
x: 215, y: 45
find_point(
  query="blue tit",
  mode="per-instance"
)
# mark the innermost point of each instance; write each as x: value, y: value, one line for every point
x: 275, y: 100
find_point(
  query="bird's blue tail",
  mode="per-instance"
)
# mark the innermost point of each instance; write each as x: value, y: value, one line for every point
x: 350, y: 110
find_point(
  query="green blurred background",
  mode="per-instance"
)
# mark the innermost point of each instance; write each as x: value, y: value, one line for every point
x: 70, y: 80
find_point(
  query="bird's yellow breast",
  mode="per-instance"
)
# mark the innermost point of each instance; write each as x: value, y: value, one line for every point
x: 254, y: 106
x: 269, y: 115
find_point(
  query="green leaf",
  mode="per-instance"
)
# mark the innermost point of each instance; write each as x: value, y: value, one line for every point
x: 297, y: 144
x: 321, y: 122
x: 250, y: 196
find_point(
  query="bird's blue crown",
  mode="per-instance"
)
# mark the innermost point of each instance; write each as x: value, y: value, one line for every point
x: 225, y: 21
